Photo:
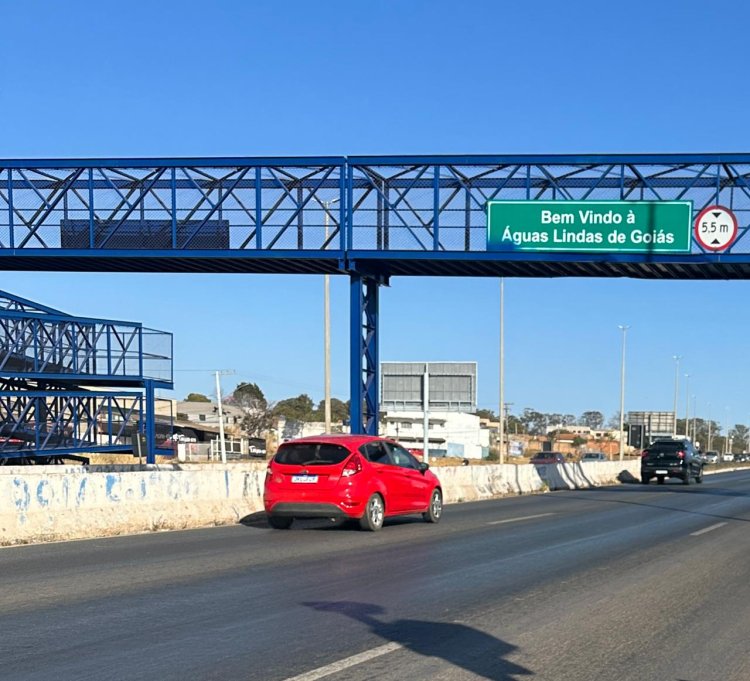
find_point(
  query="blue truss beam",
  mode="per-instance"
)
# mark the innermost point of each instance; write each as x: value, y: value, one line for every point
x: 45, y: 358
x: 364, y: 371
x: 38, y: 422
x: 271, y: 214
x: 56, y: 347
x: 12, y: 303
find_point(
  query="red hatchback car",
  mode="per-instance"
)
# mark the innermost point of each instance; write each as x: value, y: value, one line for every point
x: 348, y: 476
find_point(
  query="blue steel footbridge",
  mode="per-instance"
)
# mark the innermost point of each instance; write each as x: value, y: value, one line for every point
x: 365, y: 217
x: 72, y: 385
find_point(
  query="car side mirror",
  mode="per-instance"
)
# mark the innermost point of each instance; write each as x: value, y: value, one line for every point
x: 423, y: 467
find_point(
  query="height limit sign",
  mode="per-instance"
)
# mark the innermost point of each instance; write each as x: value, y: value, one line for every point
x: 716, y: 228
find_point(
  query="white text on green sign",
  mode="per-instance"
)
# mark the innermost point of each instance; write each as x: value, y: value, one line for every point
x: 590, y: 226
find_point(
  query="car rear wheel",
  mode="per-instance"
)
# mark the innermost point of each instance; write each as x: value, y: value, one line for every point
x: 699, y: 477
x: 372, y: 520
x: 660, y: 479
x: 279, y: 522
x: 435, y: 509
x: 645, y: 480
x: 686, y: 479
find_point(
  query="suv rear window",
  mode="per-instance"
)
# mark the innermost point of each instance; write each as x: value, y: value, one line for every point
x: 667, y: 447
x: 311, y: 454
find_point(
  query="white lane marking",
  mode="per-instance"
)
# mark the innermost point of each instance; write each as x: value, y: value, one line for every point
x: 707, y: 529
x: 515, y: 520
x: 347, y: 662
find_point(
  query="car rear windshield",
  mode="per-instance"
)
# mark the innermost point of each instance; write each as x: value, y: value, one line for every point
x: 667, y: 447
x: 311, y: 454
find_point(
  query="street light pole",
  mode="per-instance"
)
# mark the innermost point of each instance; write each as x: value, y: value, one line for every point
x: 677, y: 359
x: 501, y: 415
x: 695, y: 411
x: 687, y: 404
x: 708, y: 446
x: 726, y: 437
x: 327, y: 330
x: 624, y: 330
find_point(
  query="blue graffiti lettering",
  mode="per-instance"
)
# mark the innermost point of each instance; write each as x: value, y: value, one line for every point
x: 42, y: 490
x: 21, y: 494
x: 110, y: 487
x: 81, y: 495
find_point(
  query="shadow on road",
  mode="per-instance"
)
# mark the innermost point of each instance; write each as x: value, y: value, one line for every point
x: 669, y: 488
x: 458, y: 644
x: 259, y: 521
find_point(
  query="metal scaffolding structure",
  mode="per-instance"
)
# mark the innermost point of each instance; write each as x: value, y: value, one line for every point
x: 62, y: 377
x: 366, y: 217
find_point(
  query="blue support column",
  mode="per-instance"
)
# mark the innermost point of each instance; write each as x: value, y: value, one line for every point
x: 364, y: 357
x: 150, y: 422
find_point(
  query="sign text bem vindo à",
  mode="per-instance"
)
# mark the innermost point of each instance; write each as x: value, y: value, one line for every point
x: 590, y: 226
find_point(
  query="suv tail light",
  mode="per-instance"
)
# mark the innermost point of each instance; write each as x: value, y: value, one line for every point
x: 644, y: 454
x: 681, y: 454
x: 353, y: 466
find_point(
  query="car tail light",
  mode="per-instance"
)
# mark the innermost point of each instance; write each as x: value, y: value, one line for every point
x: 644, y: 454
x: 353, y: 466
x: 681, y: 454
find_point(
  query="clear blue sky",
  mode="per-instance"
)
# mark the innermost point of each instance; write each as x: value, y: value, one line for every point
x: 93, y: 79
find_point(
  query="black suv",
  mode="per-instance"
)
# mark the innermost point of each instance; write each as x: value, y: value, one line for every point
x: 671, y: 459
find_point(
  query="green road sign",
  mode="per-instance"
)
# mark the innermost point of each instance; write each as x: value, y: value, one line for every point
x: 590, y: 226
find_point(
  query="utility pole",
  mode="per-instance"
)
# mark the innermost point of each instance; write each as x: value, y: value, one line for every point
x: 695, y: 424
x: 708, y: 446
x: 327, y: 329
x: 222, y: 441
x: 508, y: 405
x: 426, y: 415
x: 687, y: 405
x: 217, y: 373
x: 501, y: 415
x: 726, y: 437
x: 677, y: 359
x: 624, y: 330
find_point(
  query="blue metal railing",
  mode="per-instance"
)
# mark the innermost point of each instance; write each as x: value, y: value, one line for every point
x: 328, y: 207
x: 49, y: 346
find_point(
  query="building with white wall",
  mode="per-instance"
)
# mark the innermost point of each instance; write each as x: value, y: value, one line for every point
x: 450, y: 433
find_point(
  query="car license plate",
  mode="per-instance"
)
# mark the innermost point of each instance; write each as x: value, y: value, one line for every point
x: 662, y: 472
x: 305, y: 478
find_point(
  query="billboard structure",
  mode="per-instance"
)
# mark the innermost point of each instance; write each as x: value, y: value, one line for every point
x: 452, y: 386
x: 646, y: 426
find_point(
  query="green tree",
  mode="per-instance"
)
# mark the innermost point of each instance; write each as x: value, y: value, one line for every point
x: 614, y: 421
x: 554, y: 419
x: 739, y: 435
x: 514, y: 425
x: 258, y: 421
x: 592, y: 419
x: 487, y: 414
x: 249, y: 396
x: 298, y: 408
x: 339, y: 410
x: 197, y: 397
x: 534, y: 422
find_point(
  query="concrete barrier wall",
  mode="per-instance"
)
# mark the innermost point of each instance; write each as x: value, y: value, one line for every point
x: 52, y: 503
x: 48, y: 503
x: 589, y: 474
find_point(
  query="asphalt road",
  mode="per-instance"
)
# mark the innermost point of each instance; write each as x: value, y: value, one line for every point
x: 622, y: 583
